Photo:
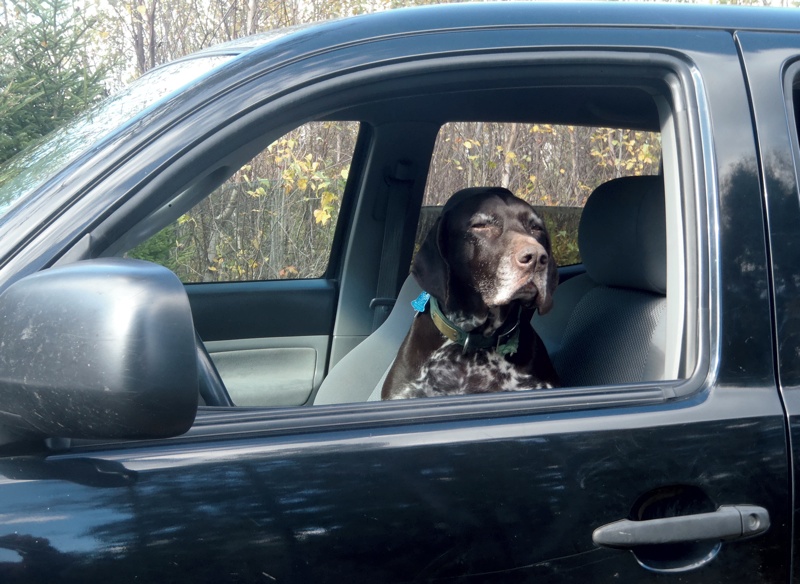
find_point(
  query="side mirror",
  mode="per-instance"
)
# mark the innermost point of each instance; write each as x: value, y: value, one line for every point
x: 101, y: 349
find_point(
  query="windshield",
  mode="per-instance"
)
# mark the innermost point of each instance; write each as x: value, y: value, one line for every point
x: 26, y: 171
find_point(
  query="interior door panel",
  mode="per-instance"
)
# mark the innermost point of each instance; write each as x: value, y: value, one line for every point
x: 280, y: 371
x: 268, y: 340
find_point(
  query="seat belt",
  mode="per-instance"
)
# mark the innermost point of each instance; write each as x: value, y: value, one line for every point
x: 398, y: 194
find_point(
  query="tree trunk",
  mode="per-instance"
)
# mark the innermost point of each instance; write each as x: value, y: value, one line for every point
x: 508, y: 148
x: 137, y: 33
x: 252, y: 20
x: 151, y: 29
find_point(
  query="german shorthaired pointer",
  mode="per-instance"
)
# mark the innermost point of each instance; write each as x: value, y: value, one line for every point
x: 485, y: 266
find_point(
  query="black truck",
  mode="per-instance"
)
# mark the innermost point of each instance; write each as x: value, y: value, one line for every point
x: 204, y: 279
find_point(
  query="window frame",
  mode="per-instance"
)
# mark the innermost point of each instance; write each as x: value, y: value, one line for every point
x: 681, y: 139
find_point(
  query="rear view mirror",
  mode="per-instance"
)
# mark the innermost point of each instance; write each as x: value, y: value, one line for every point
x: 98, y: 349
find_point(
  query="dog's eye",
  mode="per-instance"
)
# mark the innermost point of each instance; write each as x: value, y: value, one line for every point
x: 535, y: 227
x: 481, y: 221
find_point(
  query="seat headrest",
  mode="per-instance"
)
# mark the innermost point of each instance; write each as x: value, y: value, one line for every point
x: 622, y: 235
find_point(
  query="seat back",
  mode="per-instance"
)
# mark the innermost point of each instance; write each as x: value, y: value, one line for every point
x: 609, y: 325
x: 359, y: 375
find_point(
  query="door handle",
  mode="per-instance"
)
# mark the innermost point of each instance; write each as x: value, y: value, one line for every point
x: 727, y: 523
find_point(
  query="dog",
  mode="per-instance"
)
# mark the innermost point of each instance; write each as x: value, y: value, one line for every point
x: 485, y: 267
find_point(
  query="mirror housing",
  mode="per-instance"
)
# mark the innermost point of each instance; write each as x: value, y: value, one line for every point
x: 98, y: 349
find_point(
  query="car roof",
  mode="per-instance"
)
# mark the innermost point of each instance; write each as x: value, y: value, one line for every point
x: 451, y: 17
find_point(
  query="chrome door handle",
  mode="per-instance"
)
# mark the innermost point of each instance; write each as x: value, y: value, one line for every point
x: 727, y: 523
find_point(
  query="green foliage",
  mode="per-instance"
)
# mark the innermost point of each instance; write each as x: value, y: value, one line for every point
x: 49, y: 71
x: 630, y: 152
x: 273, y: 219
x: 562, y: 225
x: 158, y: 249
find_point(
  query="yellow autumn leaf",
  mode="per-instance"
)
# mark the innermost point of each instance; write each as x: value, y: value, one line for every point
x: 328, y: 198
x: 288, y: 272
x: 321, y: 216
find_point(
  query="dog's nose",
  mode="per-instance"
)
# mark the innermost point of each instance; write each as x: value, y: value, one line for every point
x: 531, y: 257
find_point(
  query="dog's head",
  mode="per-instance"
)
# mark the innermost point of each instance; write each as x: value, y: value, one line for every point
x: 487, y: 249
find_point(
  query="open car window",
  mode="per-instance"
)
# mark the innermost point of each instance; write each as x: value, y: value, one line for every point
x: 625, y: 313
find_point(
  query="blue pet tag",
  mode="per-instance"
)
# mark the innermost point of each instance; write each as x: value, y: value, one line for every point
x: 421, y: 301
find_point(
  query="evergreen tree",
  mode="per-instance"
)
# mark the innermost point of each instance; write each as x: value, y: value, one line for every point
x: 48, y: 69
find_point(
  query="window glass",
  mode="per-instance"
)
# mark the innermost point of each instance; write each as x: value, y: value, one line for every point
x: 555, y: 168
x: 273, y: 219
x: 23, y: 174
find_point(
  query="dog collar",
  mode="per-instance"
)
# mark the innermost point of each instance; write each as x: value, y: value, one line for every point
x: 505, y: 341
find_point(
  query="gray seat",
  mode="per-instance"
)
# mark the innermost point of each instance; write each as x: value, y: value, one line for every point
x: 608, y: 325
x: 359, y: 375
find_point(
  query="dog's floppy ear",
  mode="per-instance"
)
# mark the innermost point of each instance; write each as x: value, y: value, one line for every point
x: 430, y: 268
x: 545, y: 301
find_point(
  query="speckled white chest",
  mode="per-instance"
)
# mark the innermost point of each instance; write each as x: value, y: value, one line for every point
x: 449, y: 372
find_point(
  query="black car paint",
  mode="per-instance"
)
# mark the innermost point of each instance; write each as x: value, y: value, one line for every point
x: 483, y: 489
x: 392, y: 505
x: 777, y: 140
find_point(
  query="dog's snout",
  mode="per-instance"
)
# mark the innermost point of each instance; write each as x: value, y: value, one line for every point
x: 531, y: 257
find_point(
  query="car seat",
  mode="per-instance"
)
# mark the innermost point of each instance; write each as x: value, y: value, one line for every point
x: 359, y: 375
x: 609, y: 324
